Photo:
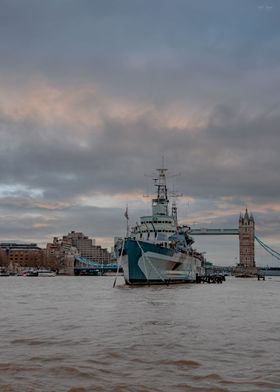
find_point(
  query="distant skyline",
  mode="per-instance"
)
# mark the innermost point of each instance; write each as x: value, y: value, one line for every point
x: 94, y: 93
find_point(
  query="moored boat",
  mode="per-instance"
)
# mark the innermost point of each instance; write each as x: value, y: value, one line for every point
x: 29, y: 272
x: 158, y: 250
x: 46, y: 272
x: 4, y: 272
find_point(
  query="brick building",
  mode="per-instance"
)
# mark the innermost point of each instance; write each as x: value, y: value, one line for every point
x: 16, y: 255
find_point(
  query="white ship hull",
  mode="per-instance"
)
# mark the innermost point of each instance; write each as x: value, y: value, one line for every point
x: 46, y: 273
x: 151, y: 266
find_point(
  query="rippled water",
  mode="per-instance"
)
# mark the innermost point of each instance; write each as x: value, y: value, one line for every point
x: 80, y: 334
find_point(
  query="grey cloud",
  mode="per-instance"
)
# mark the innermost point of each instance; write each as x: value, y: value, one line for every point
x: 218, y: 59
x: 230, y: 155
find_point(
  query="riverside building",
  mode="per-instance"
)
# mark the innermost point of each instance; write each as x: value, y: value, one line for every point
x: 83, y: 245
x: 62, y: 253
x: 15, y: 255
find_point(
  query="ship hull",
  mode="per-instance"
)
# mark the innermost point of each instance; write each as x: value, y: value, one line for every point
x: 150, y: 263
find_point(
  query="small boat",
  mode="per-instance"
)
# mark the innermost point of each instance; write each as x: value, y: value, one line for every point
x: 29, y: 272
x: 3, y: 272
x: 46, y: 272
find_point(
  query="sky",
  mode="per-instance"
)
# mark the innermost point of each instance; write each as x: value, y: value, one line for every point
x: 93, y: 93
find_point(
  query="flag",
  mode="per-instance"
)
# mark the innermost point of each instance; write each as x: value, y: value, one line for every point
x: 126, y: 213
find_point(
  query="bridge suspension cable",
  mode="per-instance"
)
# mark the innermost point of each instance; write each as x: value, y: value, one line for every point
x: 268, y: 249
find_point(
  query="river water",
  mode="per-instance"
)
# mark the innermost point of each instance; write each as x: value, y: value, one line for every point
x: 79, y: 334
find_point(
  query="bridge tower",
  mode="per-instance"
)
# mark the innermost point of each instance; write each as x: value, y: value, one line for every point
x: 247, y: 240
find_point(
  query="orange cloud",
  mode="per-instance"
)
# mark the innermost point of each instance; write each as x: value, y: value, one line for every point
x: 86, y: 106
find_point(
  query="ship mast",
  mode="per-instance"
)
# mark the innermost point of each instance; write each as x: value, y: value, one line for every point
x: 160, y: 204
x: 160, y: 183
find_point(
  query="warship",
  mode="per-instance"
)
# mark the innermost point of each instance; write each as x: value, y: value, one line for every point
x: 158, y: 250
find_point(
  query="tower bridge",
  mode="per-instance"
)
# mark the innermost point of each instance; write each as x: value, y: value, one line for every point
x: 246, y: 234
x: 206, y: 231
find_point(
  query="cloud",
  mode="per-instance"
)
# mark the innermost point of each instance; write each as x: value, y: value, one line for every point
x: 93, y: 94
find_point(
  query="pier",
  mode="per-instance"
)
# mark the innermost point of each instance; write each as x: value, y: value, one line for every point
x: 213, y: 278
